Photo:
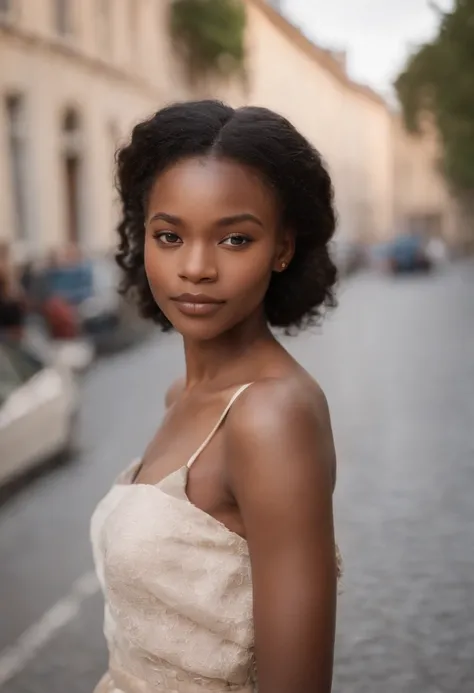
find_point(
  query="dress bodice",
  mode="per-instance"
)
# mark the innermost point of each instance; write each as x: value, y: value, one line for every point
x: 178, y: 591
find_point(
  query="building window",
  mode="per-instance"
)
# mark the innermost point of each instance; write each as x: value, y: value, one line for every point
x: 63, y: 17
x: 114, y: 139
x: 71, y: 165
x: 15, y: 112
x: 133, y: 9
x: 105, y: 26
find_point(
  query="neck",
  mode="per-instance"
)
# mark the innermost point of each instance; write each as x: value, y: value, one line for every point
x: 231, y: 358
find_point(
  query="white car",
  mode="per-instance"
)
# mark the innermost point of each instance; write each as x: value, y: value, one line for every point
x: 38, y: 405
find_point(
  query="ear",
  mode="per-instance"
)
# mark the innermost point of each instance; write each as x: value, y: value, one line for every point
x: 285, y: 252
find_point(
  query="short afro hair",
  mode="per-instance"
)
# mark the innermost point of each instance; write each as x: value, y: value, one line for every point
x: 255, y: 137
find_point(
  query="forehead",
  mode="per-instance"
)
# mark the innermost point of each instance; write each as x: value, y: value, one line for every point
x: 215, y: 183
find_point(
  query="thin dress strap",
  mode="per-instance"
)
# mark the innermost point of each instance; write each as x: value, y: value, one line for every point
x: 218, y: 424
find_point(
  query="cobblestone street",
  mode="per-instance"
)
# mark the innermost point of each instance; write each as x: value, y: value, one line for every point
x: 397, y: 363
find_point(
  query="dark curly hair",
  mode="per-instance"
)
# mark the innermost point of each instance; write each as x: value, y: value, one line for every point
x: 255, y: 137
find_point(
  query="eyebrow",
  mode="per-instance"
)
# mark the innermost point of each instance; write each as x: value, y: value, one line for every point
x: 162, y: 216
x: 237, y: 218
x: 225, y: 221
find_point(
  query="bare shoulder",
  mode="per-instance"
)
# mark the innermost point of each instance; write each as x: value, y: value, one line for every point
x: 280, y: 424
x: 173, y: 392
x: 277, y: 405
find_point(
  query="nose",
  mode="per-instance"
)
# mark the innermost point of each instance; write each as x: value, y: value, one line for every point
x: 198, y: 264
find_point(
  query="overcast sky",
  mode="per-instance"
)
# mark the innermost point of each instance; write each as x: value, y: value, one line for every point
x: 377, y: 33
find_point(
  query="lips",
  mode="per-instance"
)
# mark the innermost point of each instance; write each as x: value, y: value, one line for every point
x: 197, y: 304
x: 196, y: 298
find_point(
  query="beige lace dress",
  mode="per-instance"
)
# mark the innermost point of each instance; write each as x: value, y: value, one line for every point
x: 177, y: 588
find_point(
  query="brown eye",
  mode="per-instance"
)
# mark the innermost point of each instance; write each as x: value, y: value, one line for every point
x: 167, y: 237
x: 236, y: 240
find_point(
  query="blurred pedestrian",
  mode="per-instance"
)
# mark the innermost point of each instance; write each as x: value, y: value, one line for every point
x: 13, y: 304
x: 216, y: 550
x: 59, y: 286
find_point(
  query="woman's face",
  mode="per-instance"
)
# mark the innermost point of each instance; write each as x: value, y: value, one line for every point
x: 212, y: 241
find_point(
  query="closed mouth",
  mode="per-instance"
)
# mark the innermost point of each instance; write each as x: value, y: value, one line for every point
x: 196, y: 299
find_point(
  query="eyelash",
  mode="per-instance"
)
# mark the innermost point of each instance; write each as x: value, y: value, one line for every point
x: 247, y: 240
x: 159, y: 235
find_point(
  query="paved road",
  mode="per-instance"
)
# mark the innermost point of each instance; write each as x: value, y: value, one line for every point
x: 396, y: 361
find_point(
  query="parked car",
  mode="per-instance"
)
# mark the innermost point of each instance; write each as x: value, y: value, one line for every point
x: 84, y: 307
x: 38, y: 406
x: 107, y: 319
x: 404, y: 254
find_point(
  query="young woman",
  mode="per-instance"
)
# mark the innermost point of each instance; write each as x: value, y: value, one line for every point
x: 216, y: 550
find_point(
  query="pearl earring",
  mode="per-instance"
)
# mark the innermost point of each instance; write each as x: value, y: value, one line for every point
x: 283, y: 265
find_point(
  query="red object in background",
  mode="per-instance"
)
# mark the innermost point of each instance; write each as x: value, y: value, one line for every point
x: 61, y: 318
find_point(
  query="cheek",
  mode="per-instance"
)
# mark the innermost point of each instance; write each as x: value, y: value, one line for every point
x: 249, y: 274
x: 155, y: 269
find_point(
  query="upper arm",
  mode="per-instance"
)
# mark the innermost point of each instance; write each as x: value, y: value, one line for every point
x: 281, y: 465
x: 173, y: 392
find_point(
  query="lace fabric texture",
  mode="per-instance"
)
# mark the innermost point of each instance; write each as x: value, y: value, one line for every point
x: 178, y: 593
x: 178, y: 590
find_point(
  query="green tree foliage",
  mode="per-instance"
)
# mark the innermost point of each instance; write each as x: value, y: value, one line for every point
x: 439, y: 78
x: 210, y: 35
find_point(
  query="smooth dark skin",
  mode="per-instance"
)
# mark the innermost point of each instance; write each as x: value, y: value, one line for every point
x: 269, y: 472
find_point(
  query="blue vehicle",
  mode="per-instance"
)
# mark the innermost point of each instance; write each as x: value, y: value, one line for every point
x: 405, y: 253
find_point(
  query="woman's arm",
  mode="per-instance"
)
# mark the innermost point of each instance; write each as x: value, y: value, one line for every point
x: 282, y: 463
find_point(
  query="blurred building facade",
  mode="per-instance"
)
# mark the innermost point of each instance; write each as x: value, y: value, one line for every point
x: 422, y: 201
x: 76, y: 75
x: 347, y: 122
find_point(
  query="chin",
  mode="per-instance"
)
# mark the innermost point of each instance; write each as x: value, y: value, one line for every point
x: 202, y: 329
